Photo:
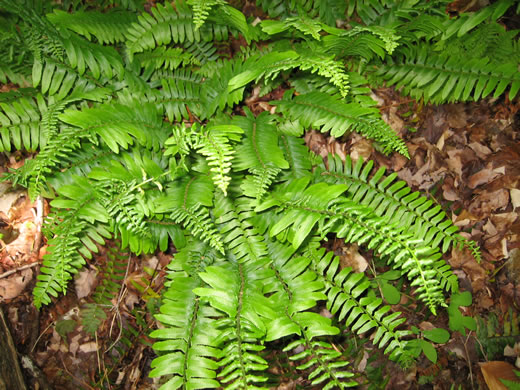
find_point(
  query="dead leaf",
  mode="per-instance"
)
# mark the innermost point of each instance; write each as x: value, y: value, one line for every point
x: 456, y: 116
x: 85, y: 282
x: 352, y: 258
x: 89, y: 347
x: 454, y: 162
x: 13, y: 286
x: 361, y: 148
x: 486, y: 175
x: 489, y: 228
x: 462, y: 259
x: 494, y: 371
x: 482, y: 151
x: 488, y: 202
x: 515, y: 197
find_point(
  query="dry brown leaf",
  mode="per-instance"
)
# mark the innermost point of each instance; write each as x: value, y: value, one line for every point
x: 483, y: 176
x: 456, y: 116
x: 13, y: 286
x: 488, y: 202
x: 476, y: 273
x: 352, y: 258
x: 497, y: 247
x: 515, y: 197
x: 494, y: 371
x: 504, y: 221
x: 85, y: 282
x: 482, y: 151
x: 89, y: 347
x: 361, y: 148
x: 489, y: 228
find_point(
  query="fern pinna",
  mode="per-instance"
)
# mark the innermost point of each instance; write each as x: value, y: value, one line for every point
x: 147, y: 131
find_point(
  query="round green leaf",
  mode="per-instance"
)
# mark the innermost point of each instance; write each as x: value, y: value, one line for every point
x: 437, y: 335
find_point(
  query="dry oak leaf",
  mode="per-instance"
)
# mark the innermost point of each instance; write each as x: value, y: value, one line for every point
x: 494, y: 371
x: 462, y: 259
x: 483, y: 176
x: 487, y: 202
x: 13, y: 286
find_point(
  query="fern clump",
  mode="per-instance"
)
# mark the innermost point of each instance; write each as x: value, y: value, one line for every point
x: 147, y: 131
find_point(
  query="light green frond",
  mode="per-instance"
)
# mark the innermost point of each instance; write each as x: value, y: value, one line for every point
x: 201, y: 9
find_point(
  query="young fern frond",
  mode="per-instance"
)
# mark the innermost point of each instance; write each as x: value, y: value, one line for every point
x: 201, y: 9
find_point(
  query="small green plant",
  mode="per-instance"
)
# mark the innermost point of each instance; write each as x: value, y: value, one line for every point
x: 148, y: 130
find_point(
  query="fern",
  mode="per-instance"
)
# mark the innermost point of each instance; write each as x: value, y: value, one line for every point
x: 439, y: 77
x: 319, y: 110
x: 183, y: 125
x: 395, y: 202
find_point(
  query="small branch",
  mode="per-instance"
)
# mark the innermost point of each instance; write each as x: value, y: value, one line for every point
x: 15, y: 270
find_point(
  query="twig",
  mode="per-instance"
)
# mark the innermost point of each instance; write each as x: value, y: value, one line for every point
x: 38, y: 221
x: 15, y: 270
x: 122, y: 291
x: 468, y: 360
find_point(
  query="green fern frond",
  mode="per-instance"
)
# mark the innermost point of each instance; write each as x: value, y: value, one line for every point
x: 298, y: 156
x: 109, y: 27
x: 197, y: 221
x: 201, y: 9
x: 239, y: 234
x: 188, y: 342
x: 258, y: 182
x: 167, y: 24
x: 296, y: 289
x: 164, y: 58
x: 325, y: 360
x: 20, y: 119
x: 319, y: 205
x: 346, y: 297
x: 259, y: 147
x: 118, y: 125
x: 302, y: 23
x: 68, y: 232
x: 203, y: 52
x: 328, y: 113
x: 441, y: 77
x: 268, y: 66
x: 467, y: 22
x: 327, y: 11
x: 92, y: 317
x: 236, y: 290
x: 215, y: 94
x: 395, y: 202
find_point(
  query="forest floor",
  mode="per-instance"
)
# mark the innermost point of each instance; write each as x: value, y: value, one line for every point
x: 466, y: 157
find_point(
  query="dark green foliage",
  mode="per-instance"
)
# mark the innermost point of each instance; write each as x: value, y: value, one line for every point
x: 148, y: 130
